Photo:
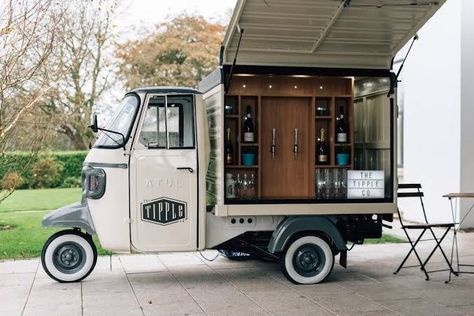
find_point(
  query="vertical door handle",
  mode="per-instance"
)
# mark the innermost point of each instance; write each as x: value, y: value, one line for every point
x: 273, y: 146
x: 295, y: 144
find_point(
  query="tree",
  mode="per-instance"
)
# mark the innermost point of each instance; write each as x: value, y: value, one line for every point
x: 27, y: 36
x: 179, y: 52
x: 84, y: 43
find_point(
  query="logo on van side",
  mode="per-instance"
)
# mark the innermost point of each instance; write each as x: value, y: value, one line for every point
x: 164, y: 211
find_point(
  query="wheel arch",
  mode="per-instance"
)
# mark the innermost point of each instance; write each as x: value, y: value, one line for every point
x: 75, y: 215
x: 300, y: 225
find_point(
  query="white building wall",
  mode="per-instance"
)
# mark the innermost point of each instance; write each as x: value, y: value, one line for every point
x: 467, y: 107
x: 431, y: 87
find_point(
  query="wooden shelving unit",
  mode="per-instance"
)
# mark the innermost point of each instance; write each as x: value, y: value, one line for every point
x: 235, y: 121
x: 326, y: 96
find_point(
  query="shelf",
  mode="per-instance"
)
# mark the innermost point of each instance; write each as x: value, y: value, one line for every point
x: 328, y: 117
x: 342, y: 144
x: 249, y: 144
x: 332, y: 166
x: 232, y: 116
x: 242, y: 167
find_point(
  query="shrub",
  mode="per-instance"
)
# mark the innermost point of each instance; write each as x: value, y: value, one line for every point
x: 23, y: 163
x: 11, y: 181
x: 45, y: 173
x: 19, y: 162
x: 72, y: 162
x: 72, y: 182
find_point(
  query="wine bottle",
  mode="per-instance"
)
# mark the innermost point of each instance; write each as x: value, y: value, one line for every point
x: 249, y: 135
x: 341, y: 128
x: 322, y: 156
x: 229, y: 150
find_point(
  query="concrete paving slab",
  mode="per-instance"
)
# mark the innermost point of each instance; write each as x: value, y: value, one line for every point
x: 47, y: 296
x: 109, y: 293
x: 419, y: 307
x: 141, y: 263
x: 171, y: 260
x: 14, y: 292
x: 18, y: 266
x: 161, y: 294
x: 350, y: 304
x: 215, y: 295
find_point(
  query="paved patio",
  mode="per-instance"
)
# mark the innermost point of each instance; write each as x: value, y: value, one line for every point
x: 185, y: 283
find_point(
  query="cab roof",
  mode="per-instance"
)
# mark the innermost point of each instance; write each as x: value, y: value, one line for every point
x: 324, y: 33
x: 166, y: 90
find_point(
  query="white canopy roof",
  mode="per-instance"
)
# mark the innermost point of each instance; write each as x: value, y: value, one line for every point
x: 324, y: 33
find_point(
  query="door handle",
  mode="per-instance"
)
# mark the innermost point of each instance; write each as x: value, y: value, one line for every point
x: 273, y: 146
x: 191, y: 170
x: 295, y: 145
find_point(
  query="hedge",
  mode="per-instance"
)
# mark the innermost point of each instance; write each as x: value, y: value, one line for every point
x: 23, y: 162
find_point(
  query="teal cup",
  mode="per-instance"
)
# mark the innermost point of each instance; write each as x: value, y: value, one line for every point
x: 248, y: 159
x: 342, y: 159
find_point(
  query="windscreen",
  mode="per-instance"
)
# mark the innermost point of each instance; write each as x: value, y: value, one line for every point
x: 121, y: 122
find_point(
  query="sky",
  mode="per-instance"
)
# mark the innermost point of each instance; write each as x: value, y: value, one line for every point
x: 134, y: 15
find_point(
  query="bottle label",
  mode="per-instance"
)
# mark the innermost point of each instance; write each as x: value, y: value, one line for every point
x: 341, y: 137
x: 323, y: 158
x: 248, y: 137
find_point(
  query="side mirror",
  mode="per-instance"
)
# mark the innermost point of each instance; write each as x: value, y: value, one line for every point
x: 94, y: 127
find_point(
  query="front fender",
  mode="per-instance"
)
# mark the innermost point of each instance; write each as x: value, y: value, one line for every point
x: 297, y: 224
x: 75, y: 215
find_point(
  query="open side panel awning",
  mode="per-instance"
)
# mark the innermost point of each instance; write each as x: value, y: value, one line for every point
x: 324, y: 33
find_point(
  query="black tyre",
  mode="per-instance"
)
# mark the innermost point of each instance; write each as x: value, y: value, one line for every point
x: 307, y: 260
x: 69, y: 256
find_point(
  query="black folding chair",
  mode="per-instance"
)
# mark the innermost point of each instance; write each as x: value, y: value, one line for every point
x: 414, y: 191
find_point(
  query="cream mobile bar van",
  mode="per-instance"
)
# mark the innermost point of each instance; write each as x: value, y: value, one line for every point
x: 286, y: 152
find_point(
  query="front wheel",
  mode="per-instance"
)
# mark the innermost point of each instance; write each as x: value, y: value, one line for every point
x: 69, y: 256
x: 307, y: 260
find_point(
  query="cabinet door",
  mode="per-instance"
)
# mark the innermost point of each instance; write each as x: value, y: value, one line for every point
x: 286, y: 174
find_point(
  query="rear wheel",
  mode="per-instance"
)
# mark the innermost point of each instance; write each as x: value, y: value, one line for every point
x: 69, y: 256
x: 307, y: 260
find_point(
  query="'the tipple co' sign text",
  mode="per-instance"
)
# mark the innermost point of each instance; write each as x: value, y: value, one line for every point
x: 365, y: 184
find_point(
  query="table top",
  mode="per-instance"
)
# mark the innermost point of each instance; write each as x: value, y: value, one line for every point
x: 459, y: 195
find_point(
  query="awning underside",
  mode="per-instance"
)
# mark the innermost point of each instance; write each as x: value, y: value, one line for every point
x: 324, y: 33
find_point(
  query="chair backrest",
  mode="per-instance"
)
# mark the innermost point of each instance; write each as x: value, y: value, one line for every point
x: 411, y: 190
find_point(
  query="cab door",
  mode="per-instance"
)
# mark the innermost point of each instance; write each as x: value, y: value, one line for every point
x: 163, y: 183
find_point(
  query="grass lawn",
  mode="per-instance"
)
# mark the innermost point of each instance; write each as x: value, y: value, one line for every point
x: 384, y: 240
x: 24, y: 236
x: 40, y: 199
x: 21, y: 233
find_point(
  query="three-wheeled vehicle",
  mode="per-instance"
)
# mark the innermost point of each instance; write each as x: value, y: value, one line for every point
x: 287, y: 151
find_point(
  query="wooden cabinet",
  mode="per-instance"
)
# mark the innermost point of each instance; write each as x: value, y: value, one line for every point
x: 289, y: 112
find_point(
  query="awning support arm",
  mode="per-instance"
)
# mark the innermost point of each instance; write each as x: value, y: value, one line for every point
x: 227, y: 86
x: 395, y: 80
x: 328, y: 27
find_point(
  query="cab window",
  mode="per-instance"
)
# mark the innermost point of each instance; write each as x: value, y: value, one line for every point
x: 169, y: 123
